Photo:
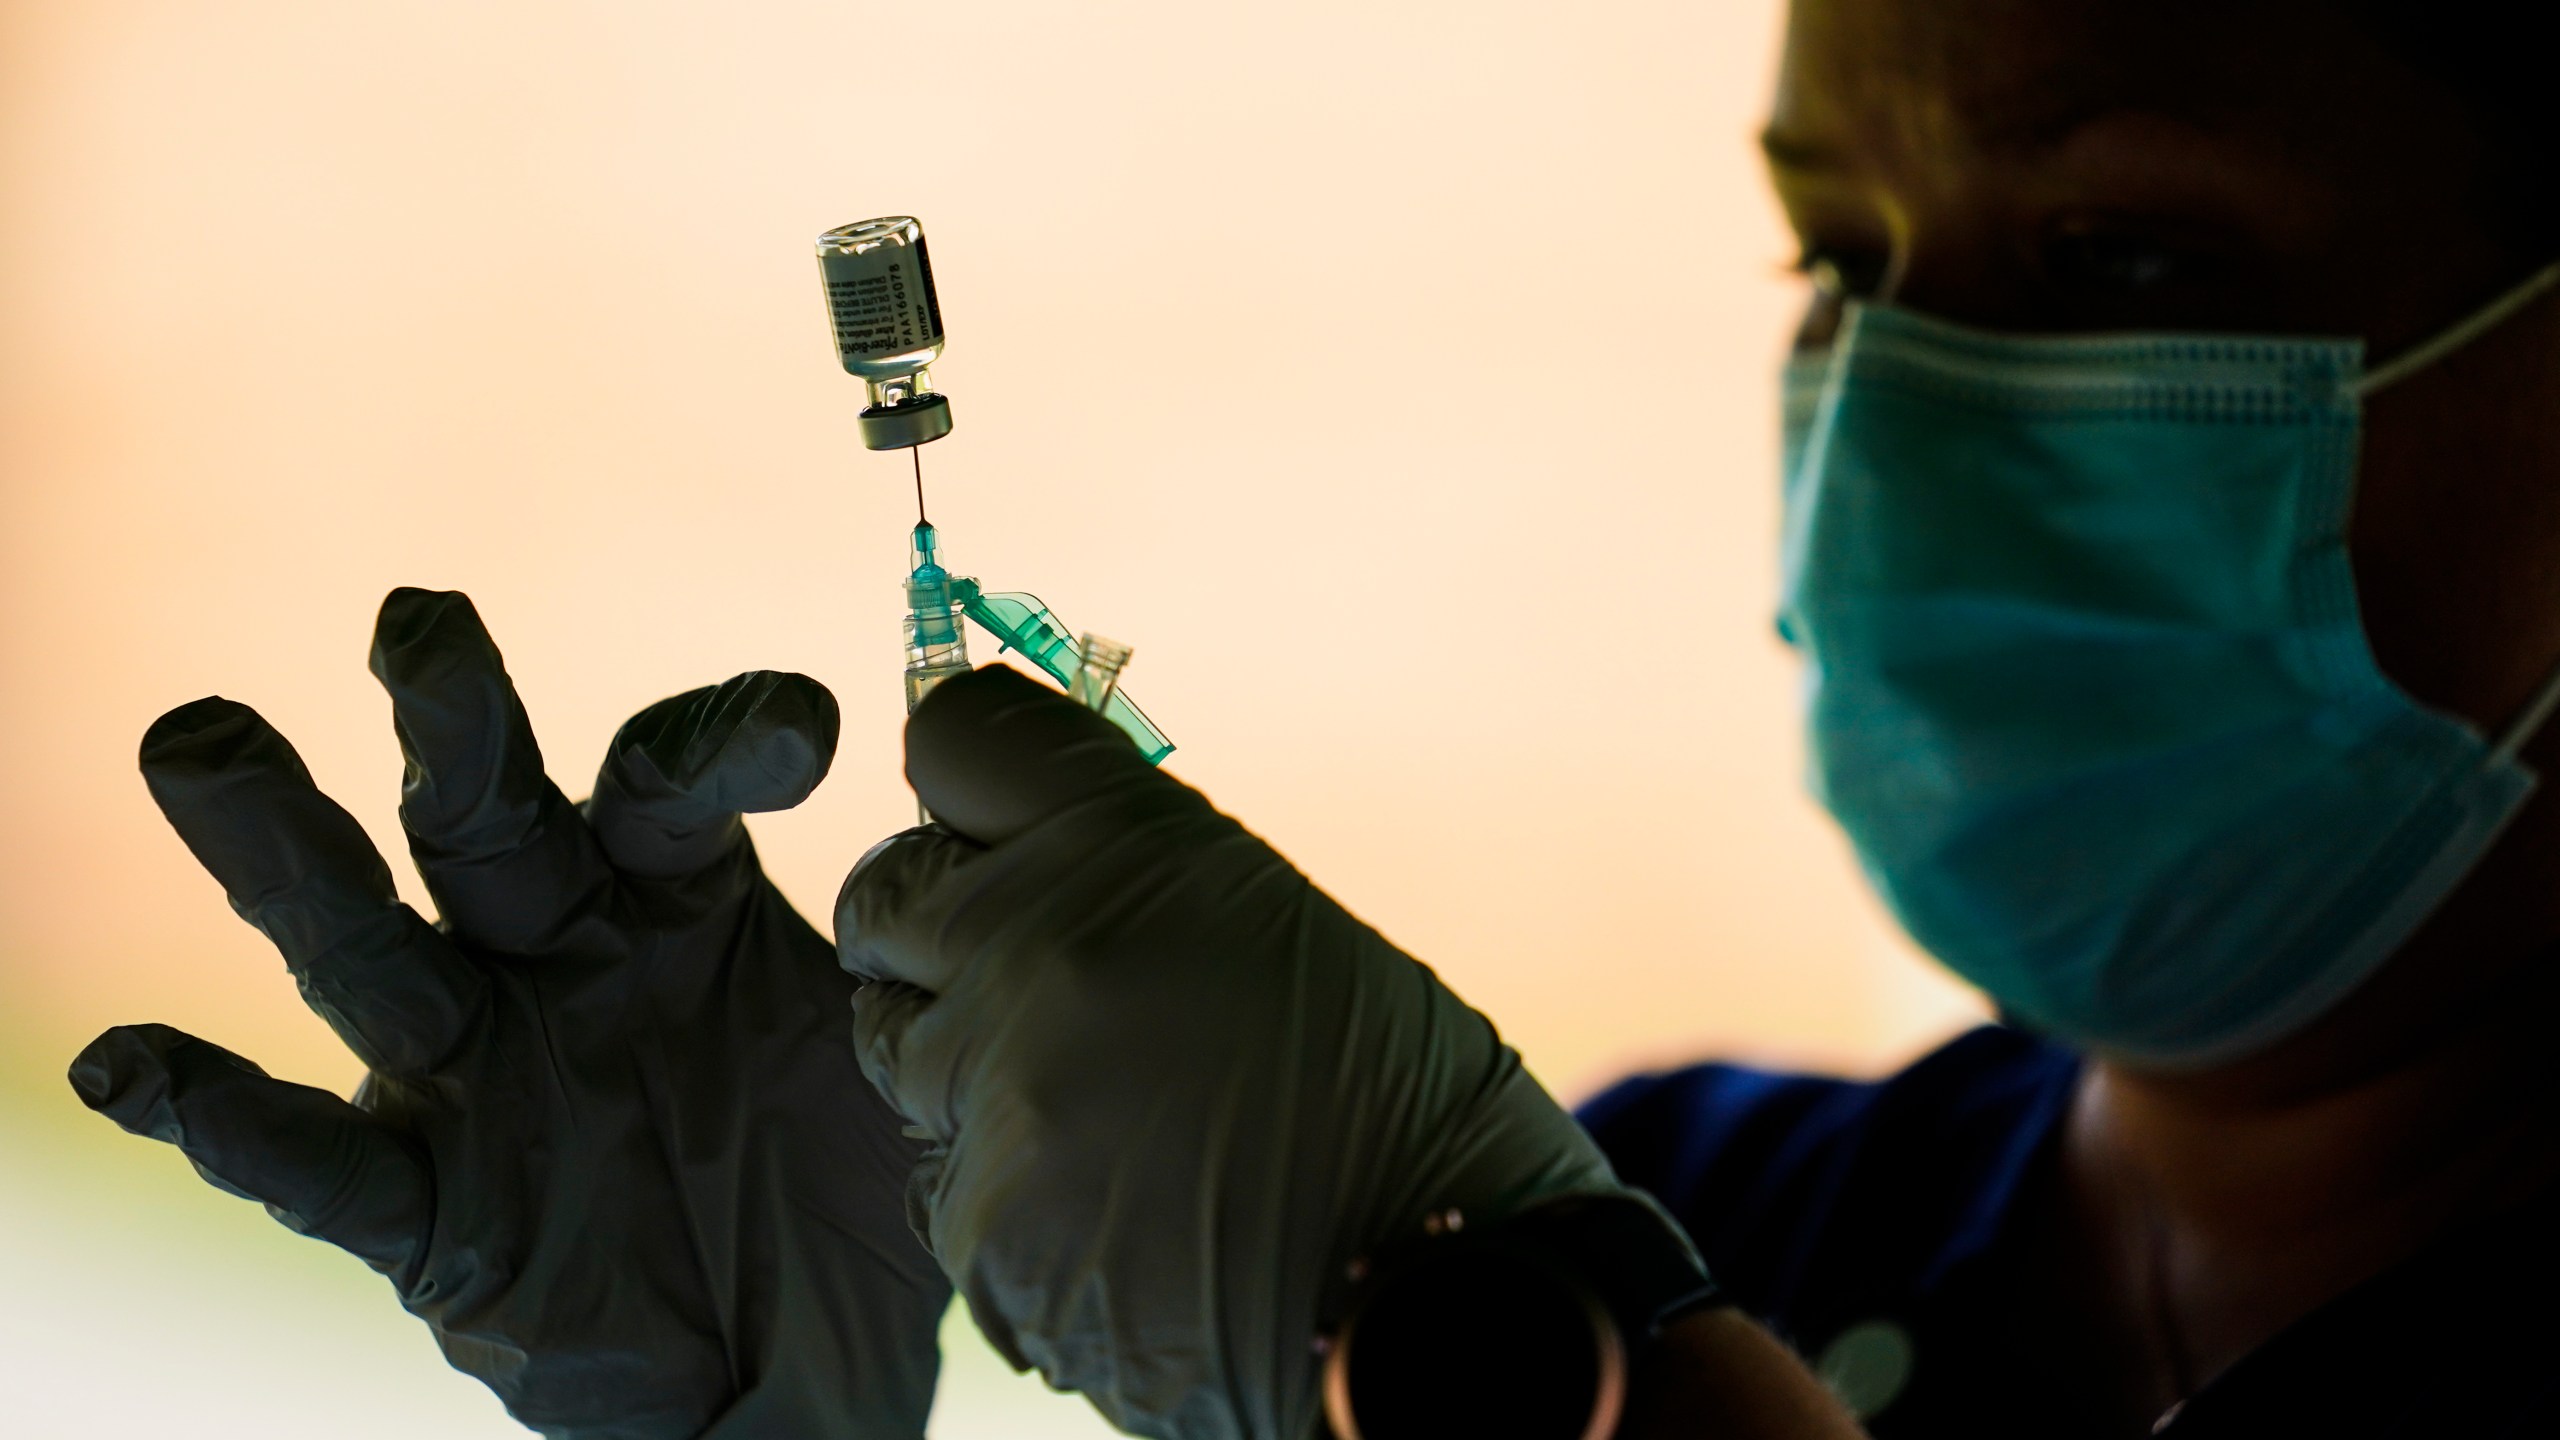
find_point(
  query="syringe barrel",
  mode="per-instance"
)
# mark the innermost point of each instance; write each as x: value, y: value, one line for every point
x: 921, y: 680
x: 936, y: 648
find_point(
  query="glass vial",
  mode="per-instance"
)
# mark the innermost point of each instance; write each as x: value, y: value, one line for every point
x: 888, y: 326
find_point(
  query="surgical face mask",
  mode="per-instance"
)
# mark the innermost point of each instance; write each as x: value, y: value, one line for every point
x: 2085, y: 680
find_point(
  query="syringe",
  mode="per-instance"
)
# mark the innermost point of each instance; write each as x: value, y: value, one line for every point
x: 937, y: 647
x: 887, y: 324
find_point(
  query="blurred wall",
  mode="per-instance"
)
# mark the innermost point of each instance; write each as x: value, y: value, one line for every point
x: 1398, y: 378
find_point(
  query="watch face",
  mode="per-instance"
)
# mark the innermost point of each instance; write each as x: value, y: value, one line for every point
x: 1476, y: 1339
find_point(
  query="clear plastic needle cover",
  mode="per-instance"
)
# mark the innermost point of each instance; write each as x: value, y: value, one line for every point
x: 1098, y: 677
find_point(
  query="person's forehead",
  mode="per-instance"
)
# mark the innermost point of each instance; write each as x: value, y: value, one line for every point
x: 2016, y: 74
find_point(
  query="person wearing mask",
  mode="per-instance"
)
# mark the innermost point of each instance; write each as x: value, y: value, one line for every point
x: 2170, y: 544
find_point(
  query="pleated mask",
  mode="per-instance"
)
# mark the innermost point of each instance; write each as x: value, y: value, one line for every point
x: 2085, y: 681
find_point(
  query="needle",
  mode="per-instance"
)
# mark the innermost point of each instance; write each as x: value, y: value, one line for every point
x: 916, y: 453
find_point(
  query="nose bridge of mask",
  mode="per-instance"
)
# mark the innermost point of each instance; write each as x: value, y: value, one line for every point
x: 1812, y: 374
x: 1904, y: 394
x: 1813, y: 382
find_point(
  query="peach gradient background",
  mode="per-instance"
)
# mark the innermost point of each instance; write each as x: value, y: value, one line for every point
x: 1397, y: 377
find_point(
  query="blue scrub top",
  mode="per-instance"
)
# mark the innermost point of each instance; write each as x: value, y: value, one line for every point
x: 1897, y: 1233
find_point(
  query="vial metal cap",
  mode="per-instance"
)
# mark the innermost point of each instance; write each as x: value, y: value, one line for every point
x: 909, y: 422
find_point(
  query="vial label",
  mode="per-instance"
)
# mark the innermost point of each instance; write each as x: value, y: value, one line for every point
x: 882, y: 302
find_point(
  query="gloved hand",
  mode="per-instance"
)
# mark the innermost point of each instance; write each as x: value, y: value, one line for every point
x: 614, y: 1148
x: 1174, y: 1089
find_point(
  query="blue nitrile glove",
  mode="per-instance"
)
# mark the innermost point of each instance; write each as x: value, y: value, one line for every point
x: 614, y: 1148
x: 1174, y: 1089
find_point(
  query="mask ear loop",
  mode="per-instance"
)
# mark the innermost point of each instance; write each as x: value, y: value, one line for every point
x: 2528, y: 721
x: 2546, y: 698
x: 2462, y: 332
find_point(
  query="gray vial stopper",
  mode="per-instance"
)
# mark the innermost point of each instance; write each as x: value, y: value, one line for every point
x: 902, y: 424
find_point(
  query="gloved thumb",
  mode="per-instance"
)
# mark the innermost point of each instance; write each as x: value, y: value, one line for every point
x: 994, y: 752
x: 680, y: 772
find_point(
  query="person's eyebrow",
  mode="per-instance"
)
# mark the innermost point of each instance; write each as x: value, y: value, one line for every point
x: 2033, y: 125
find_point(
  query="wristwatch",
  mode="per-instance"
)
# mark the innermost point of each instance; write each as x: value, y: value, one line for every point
x: 1524, y: 1329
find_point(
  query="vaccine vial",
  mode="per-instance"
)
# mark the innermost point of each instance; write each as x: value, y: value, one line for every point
x: 888, y: 326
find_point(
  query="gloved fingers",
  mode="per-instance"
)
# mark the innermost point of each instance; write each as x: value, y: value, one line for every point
x: 916, y: 1084
x: 893, y: 913
x: 506, y: 856
x: 892, y: 919
x: 680, y: 772
x: 302, y: 871
x: 983, y: 1296
x: 993, y: 753
x: 319, y: 1164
